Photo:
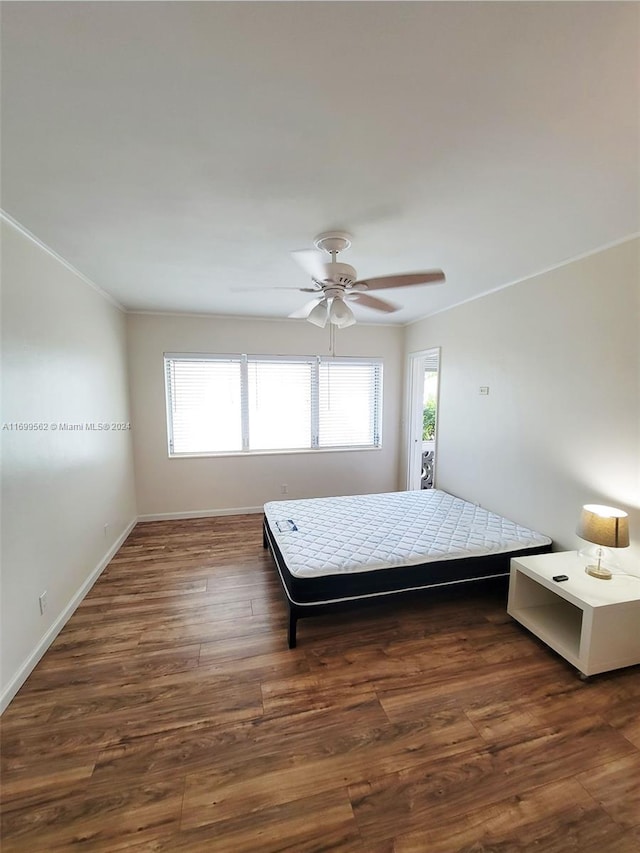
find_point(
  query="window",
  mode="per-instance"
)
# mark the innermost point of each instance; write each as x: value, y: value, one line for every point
x: 241, y: 403
x: 206, y: 410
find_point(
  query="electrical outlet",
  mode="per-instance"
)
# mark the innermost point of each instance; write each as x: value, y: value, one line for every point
x: 106, y: 529
x: 42, y: 599
x: 284, y: 489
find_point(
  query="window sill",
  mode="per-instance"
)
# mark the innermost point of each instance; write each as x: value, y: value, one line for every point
x: 250, y: 453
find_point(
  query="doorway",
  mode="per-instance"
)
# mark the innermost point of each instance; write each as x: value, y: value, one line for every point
x: 423, y: 418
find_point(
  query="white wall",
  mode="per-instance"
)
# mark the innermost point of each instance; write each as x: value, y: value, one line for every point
x: 174, y: 486
x: 561, y: 424
x: 64, y: 361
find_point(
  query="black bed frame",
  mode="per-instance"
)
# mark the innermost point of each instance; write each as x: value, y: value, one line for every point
x: 338, y: 593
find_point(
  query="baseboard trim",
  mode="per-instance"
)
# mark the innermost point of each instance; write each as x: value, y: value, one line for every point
x: 201, y: 513
x: 29, y: 664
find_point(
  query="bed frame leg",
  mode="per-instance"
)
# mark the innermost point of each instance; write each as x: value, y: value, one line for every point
x: 291, y: 634
x: 265, y: 543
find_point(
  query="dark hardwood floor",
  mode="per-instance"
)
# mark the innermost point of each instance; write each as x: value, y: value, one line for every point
x: 169, y: 715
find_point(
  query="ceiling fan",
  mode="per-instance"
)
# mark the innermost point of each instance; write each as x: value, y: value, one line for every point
x: 336, y: 283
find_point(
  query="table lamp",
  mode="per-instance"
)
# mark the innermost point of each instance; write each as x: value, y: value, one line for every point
x: 606, y: 527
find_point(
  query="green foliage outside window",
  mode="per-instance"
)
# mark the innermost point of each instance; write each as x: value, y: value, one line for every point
x: 429, y: 421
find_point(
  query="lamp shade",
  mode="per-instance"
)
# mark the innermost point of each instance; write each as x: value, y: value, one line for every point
x: 340, y: 314
x: 604, y: 525
x: 319, y: 315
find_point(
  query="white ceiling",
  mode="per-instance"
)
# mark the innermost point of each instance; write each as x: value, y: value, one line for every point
x: 172, y: 152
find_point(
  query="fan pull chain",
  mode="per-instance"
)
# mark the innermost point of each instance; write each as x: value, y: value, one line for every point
x: 332, y: 339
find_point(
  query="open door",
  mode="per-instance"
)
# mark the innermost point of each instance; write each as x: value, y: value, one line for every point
x: 423, y: 418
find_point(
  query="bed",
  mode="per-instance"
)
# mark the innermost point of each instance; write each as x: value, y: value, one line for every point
x: 331, y: 553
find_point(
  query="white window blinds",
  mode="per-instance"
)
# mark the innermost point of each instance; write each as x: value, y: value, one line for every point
x: 241, y: 403
x: 349, y: 397
x: 204, y: 403
x: 279, y: 405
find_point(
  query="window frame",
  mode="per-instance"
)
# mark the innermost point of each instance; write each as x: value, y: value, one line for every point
x: 244, y: 359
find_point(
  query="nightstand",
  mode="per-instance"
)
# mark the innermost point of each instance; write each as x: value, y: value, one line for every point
x: 592, y: 623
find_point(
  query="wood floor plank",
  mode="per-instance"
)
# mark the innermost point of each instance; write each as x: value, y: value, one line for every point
x: 93, y: 814
x: 169, y: 715
x: 451, y: 787
x: 585, y: 743
x: 45, y: 775
x: 628, y: 842
x: 311, y: 824
x: 244, y: 749
x: 226, y: 791
x: 168, y: 590
x: 163, y: 707
x: 624, y: 717
x: 616, y: 786
x: 61, y: 672
x: 478, y: 684
x: 28, y: 746
x: 499, y: 721
x: 552, y: 819
x: 228, y: 649
x: 326, y: 685
x: 207, y: 632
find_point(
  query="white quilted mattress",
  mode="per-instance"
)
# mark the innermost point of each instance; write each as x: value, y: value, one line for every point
x: 358, y: 533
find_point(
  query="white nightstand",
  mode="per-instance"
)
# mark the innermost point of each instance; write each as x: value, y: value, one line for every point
x: 594, y: 624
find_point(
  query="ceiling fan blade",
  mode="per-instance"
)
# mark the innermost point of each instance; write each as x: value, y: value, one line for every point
x: 256, y: 289
x: 404, y: 280
x: 312, y: 262
x: 303, y: 312
x: 374, y: 302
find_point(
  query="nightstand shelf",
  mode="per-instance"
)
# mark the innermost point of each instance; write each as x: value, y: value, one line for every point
x: 593, y: 624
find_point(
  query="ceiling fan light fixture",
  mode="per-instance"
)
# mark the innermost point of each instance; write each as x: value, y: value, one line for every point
x: 319, y: 315
x: 340, y: 314
x: 334, y: 281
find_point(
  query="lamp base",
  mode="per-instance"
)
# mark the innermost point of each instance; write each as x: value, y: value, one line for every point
x: 599, y: 572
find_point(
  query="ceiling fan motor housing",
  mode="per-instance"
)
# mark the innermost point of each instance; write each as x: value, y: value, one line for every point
x: 338, y: 273
x: 333, y: 292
